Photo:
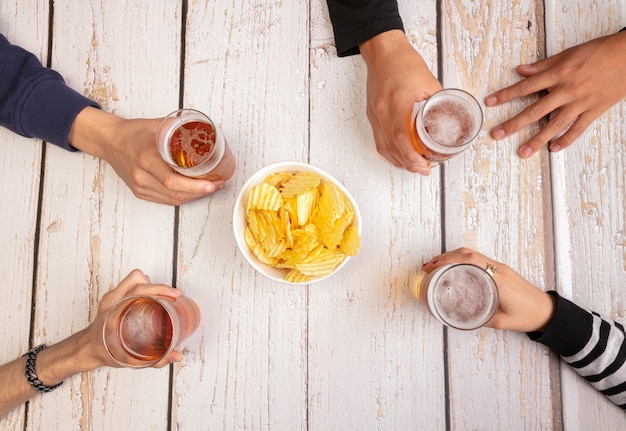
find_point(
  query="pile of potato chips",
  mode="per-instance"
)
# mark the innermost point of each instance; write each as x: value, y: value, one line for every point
x: 298, y: 223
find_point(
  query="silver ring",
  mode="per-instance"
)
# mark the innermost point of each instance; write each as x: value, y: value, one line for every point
x: 490, y: 269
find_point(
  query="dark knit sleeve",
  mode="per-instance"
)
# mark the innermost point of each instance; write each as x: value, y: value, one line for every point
x: 594, y: 347
x: 34, y: 100
x: 356, y: 21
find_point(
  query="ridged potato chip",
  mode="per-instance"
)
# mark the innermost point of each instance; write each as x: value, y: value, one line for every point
x: 297, y: 223
x: 299, y: 183
x: 264, y: 197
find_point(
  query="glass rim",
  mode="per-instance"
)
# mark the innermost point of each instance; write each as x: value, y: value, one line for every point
x: 492, y: 283
x: 130, y: 299
x: 461, y: 94
x: 168, y: 131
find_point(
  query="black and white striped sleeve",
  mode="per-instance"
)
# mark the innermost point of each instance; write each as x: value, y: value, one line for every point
x: 593, y: 346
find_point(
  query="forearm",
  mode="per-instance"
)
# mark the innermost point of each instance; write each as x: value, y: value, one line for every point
x: 94, y: 131
x: 53, y: 365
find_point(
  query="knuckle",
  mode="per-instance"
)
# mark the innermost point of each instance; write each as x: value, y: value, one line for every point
x: 178, y: 198
x: 378, y: 107
x: 526, y: 86
x: 538, y: 110
x: 169, y: 181
x: 559, y: 123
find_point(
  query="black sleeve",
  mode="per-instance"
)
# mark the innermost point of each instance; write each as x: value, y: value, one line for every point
x: 569, y: 330
x: 355, y: 21
x: 594, y: 347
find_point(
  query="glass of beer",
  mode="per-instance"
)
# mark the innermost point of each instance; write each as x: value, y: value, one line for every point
x: 445, y: 124
x: 462, y: 296
x: 194, y: 146
x: 141, y: 330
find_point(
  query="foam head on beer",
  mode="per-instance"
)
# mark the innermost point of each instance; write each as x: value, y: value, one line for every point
x: 445, y: 124
x: 463, y: 296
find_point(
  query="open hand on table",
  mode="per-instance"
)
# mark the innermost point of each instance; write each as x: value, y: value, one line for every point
x: 397, y: 77
x: 582, y: 82
x: 523, y: 307
x: 129, y: 146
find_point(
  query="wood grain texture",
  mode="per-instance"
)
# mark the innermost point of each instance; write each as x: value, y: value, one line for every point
x: 23, y: 24
x: 355, y: 351
x: 497, y: 380
x: 93, y: 230
x: 589, y: 187
x: 247, y: 67
x: 375, y: 356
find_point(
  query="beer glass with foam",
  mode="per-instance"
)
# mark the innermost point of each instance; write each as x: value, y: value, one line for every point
x: 462, y: 296
x: 445, y: 124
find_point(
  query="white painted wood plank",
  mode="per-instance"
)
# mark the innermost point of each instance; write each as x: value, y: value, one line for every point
x: 590, y: 186
x: 19, y: 193
x: 94, y: 231
x: 247, y: 68
x: 499, y: 204
x: 375, y: 355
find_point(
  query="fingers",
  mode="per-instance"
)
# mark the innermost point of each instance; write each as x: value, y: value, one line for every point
x: 161, y: 184
x: 136, y: 283
x: 536, y: 81
x: 461, y: 255
x: 564, y: 123
x: 156, y: 290
x: 170, y: 358
x: 573, y: 133
x: 393, y: 140
x: 135, y: 278
x: 400, y: 134
x: 382, y: 145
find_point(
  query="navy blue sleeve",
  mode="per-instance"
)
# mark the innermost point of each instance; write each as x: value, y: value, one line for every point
x: 356, y: 21
x: 34, y: 100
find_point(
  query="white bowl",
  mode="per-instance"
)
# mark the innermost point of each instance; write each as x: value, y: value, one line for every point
x: 239, y: 216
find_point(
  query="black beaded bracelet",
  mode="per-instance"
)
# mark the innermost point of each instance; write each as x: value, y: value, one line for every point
x: 31, y: 374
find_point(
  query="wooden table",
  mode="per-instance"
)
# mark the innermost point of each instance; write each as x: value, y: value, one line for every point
x: 355, y: 352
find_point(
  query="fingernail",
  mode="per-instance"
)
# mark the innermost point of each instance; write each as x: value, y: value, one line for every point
x: 435, y: 261
x: 526, y: 152
x: 555, y: 147
x: 498, y: 134
x: 424, y: 264
x: 491, y: 100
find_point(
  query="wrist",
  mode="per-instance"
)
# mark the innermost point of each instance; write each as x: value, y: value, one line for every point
x: 545, y: 311
x: 65, y: 359
x: 93, y: 131
x: 382, y: 45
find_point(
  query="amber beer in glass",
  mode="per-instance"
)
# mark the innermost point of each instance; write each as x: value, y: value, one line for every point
x: 462, y: 296
x: 445, y: 124
x: 194, y: 146
x: 141, y: 330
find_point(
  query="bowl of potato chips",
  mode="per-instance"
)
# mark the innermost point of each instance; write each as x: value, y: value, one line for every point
x: 296, y: 224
